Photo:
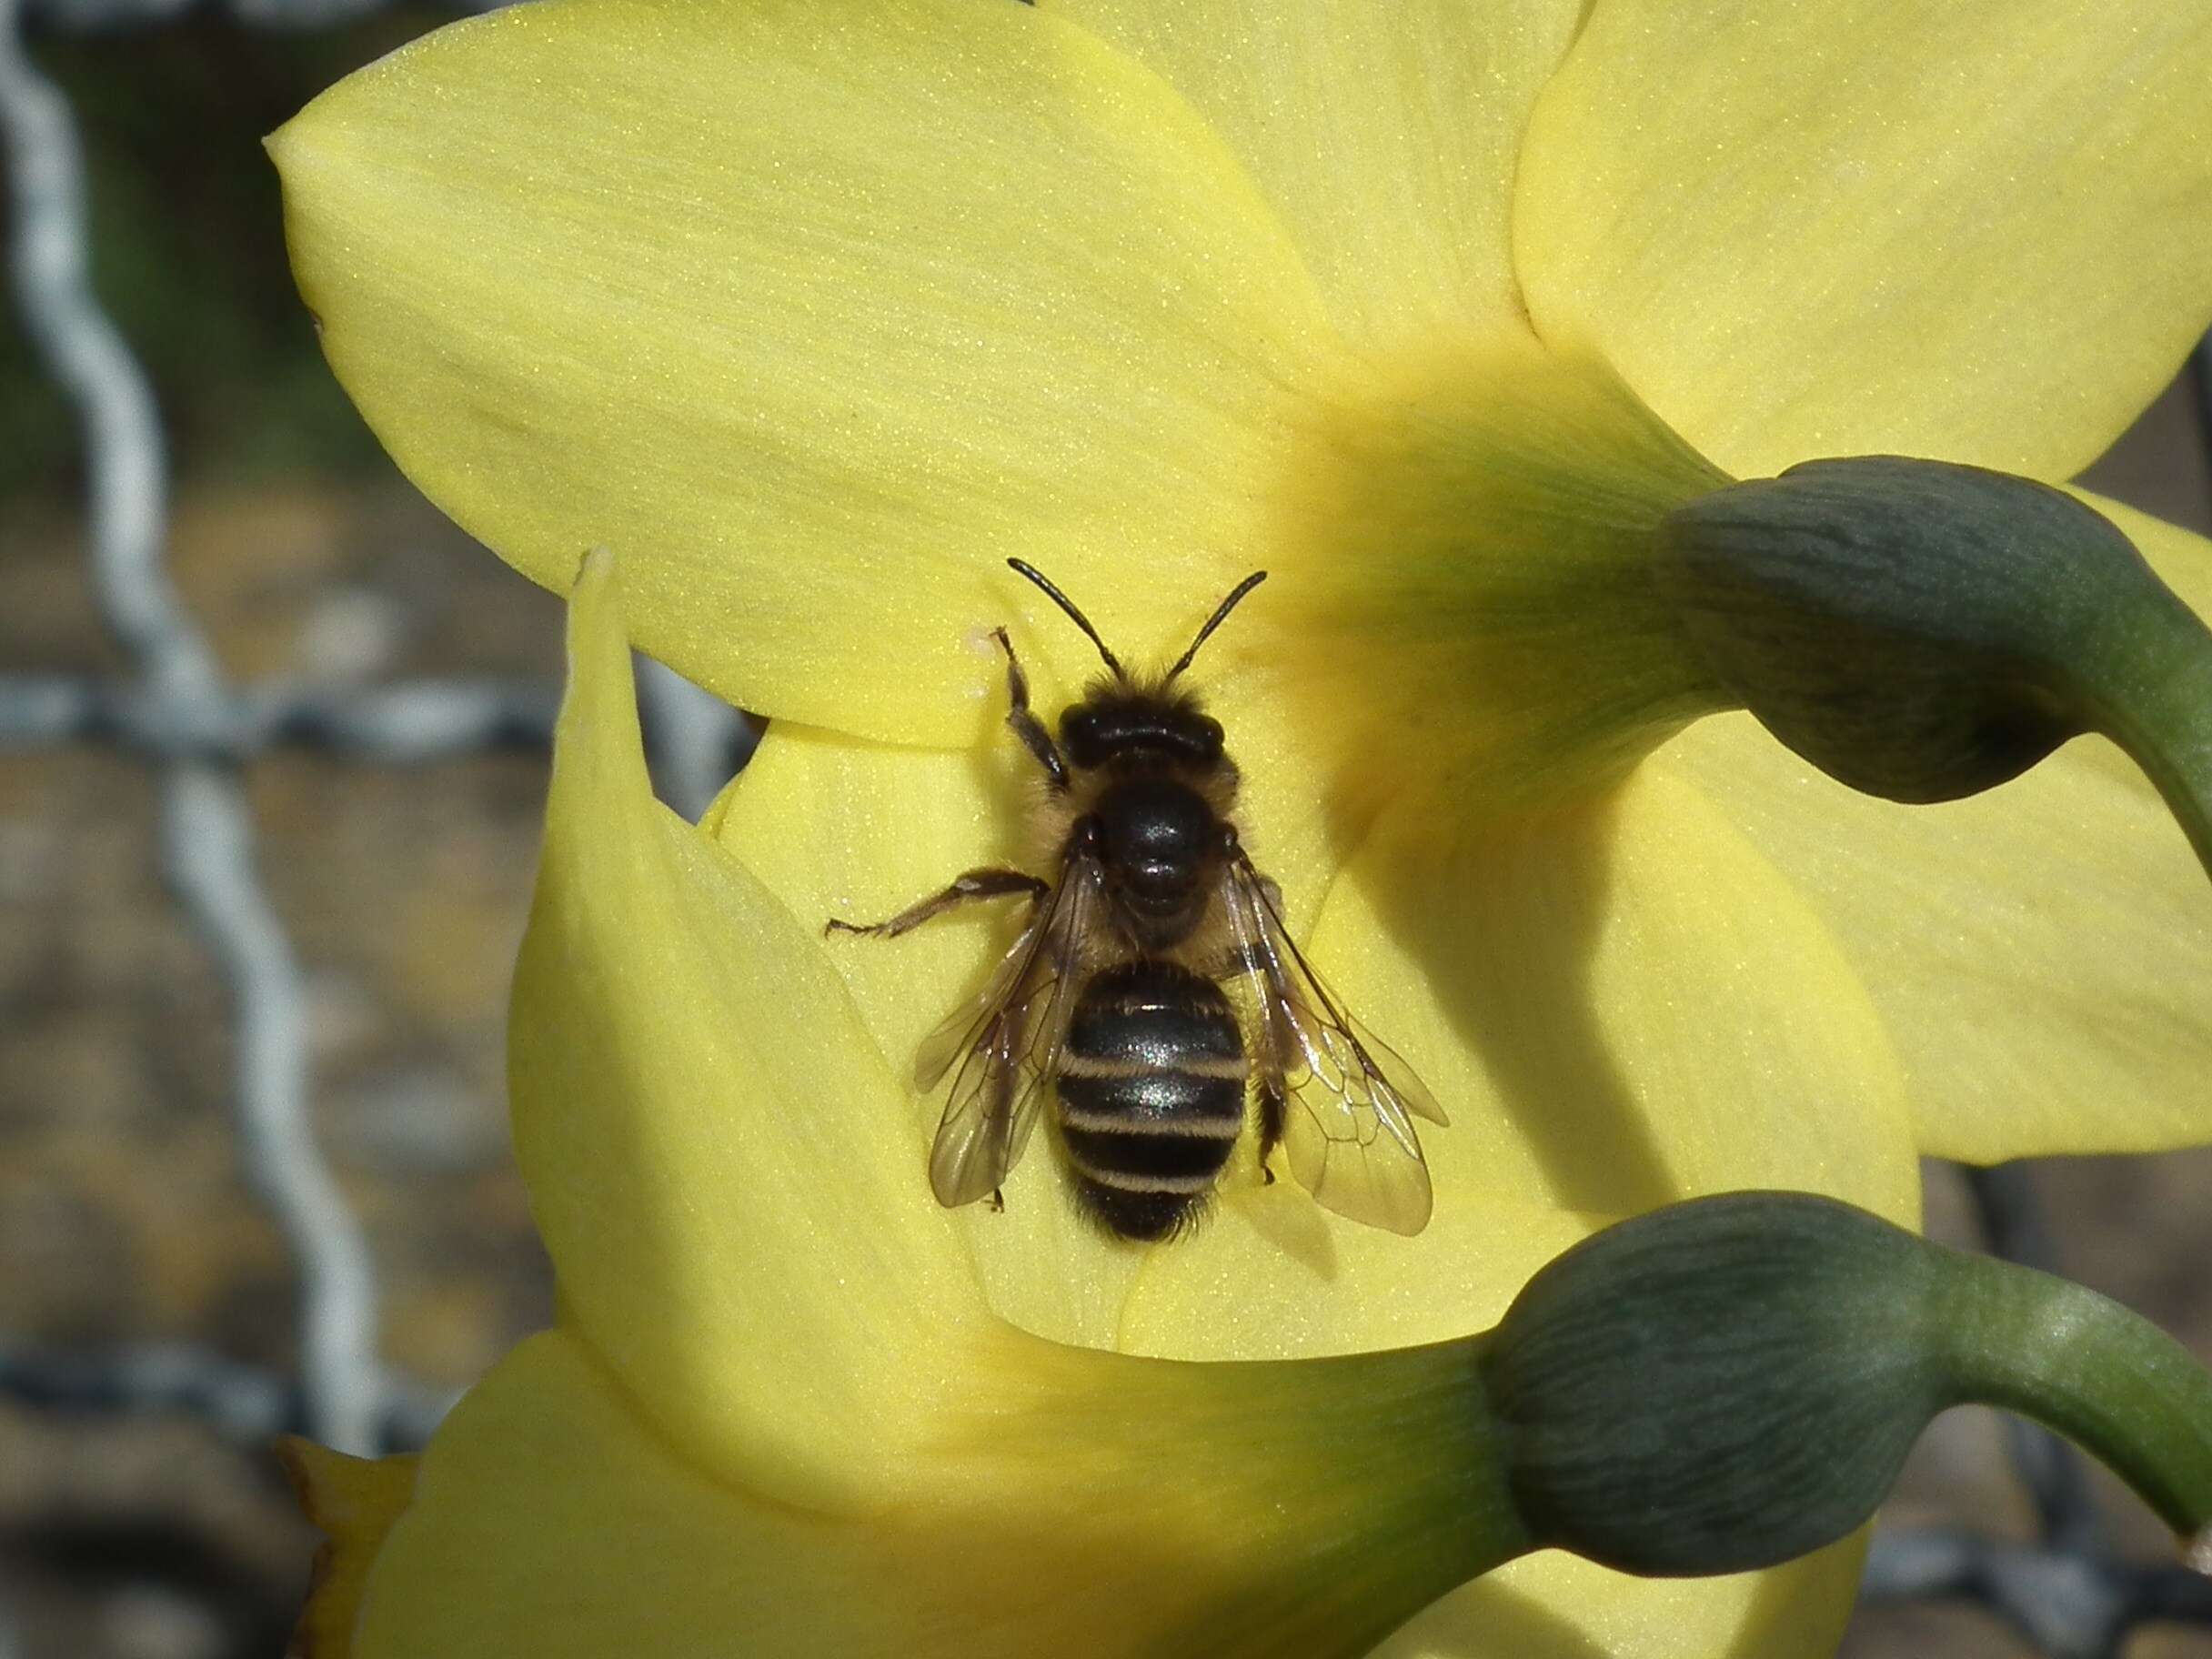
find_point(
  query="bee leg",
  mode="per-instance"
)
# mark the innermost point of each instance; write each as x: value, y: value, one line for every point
x: 997, y: 1201
x: 1027, y: 726
x: 1240, y: 959
x: 965, y: 889
x: 1272, y: 1107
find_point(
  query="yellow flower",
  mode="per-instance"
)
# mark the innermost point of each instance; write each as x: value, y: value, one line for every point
x: 814, y: 312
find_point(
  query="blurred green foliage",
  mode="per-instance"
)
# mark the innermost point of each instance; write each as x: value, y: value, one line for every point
x: 188, y: 248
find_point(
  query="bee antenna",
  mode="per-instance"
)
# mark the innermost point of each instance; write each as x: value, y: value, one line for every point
x: 1067, y: 605
x: 1220, y: 614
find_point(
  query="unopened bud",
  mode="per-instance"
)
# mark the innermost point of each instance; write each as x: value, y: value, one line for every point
x: 1732, y: 1382
x: 1912, y: 628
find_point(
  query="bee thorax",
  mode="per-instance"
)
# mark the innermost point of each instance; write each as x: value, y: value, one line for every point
x: 1160, y: 844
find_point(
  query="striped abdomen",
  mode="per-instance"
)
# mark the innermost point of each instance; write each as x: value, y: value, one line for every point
x: 1151, y: 1095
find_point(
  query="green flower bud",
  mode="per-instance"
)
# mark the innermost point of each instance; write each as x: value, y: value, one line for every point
x: 1921, y: 630
x: 1733, y: 1382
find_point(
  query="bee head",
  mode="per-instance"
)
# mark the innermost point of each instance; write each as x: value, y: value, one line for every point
x: 1119, y: 721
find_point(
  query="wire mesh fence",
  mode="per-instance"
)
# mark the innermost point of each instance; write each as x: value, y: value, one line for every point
x: 2066, y: 1590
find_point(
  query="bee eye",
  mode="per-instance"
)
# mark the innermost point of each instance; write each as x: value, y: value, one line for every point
x: 1211, y: 728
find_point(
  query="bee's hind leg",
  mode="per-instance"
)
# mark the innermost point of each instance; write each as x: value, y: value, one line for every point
x: 1272, y: 1107
x: 965, y: 889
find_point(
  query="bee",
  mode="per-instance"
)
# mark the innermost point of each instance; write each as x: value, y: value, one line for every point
x: 1116, y: 999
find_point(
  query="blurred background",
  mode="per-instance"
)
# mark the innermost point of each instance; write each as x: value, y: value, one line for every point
x: 272, y: 753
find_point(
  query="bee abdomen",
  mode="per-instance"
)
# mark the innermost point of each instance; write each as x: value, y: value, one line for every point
x: 1151, y: 1095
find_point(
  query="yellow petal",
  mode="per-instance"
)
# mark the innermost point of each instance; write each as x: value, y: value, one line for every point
x: 2040, y: 952
x: 842, y: 827
x: 1275, y: 1277
x: 1620, y: 1007
x: 1620, y: 1004
x: 353, y: 1503
x: 1979, y: 230
x: 550, y: 1520
x: 716, y: 1157
x: 1555, y: 1606
x: 813, y: 312
x: 1385, y: 135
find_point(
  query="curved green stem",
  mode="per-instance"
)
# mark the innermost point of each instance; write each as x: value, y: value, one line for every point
x: 2085, y: 1367
x: 2146, y: 682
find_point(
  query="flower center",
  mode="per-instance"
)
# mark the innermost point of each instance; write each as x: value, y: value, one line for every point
x: 1469, y: 604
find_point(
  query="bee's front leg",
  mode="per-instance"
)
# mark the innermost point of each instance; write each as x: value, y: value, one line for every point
x: 965, y: 889
x: 1025, y: 725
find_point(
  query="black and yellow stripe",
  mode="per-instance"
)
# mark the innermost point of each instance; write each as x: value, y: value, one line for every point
x: 1151, y: 1095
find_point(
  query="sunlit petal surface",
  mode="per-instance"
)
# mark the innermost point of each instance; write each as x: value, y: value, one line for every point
x: 1977, y: 230
x: 1554, y: 1606
x: 551, y: 1521
x: 758, y: 296
x: 548, y: 1520
x: 1385, y: 135
x: 907, y: 822
x: 2040, y: 952
x: 719, y: 1160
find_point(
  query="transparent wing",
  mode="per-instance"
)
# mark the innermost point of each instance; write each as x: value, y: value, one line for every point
x: 1007, y: 1040
x: 963, y: 1030
x: 1349, y: 1132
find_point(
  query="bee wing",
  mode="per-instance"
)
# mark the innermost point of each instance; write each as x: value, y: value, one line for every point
x: 1351, y: 1140
x: 963, y: 1031
x: 1008, y: 1042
